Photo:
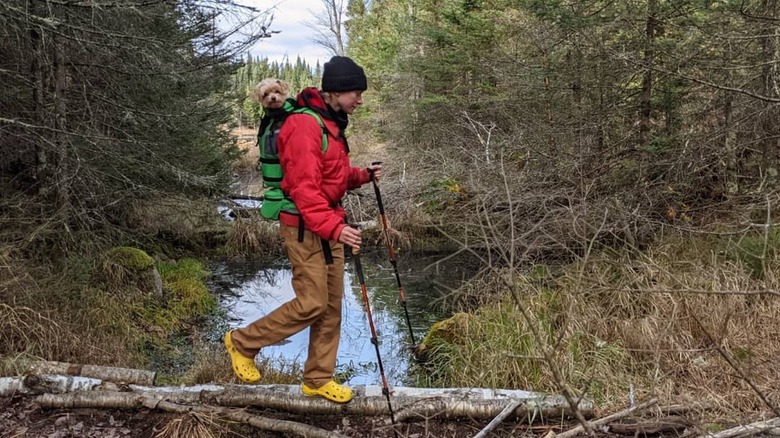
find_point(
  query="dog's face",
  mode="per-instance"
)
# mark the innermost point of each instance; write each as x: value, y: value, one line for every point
x: 271, y: 93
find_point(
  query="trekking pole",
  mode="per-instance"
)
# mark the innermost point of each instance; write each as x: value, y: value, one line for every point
x: 390, y: 250
x: 374, y: 340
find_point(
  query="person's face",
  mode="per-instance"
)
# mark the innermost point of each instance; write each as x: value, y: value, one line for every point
x: 349, y: 100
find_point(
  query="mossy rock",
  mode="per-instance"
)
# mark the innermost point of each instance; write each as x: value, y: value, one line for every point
x: 125, y: 267
x: 132, y: 259
x: 452, y: 330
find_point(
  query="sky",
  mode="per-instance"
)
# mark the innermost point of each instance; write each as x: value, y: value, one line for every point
x: 295, y: 37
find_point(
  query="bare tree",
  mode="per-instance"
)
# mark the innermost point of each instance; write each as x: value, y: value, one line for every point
x: 329, y: 27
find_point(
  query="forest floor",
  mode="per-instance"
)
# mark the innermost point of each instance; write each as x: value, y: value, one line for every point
x: 23, y: 417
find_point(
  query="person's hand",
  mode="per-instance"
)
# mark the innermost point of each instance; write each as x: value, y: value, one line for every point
x: 375, y: 169
x: 351, y: 237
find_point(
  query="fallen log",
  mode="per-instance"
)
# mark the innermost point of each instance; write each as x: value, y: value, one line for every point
x: 111, y: 374
x: 477, y: 403
x: 50, y: 383
x: 408, y: 402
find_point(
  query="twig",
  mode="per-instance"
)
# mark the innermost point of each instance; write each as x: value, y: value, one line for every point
x: 609, y: 418
x: 510, y: 408
x: 746, y: 429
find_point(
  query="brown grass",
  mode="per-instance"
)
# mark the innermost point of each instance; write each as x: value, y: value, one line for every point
x: 252, y: 237
x: 193, y: 425
x: 655, y: 321
x: 247, y: 142
x: 212, y: 365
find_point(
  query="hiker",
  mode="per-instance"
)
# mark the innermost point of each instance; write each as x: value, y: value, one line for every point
x: 314, y: 236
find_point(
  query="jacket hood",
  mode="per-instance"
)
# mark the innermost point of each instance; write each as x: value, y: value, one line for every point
x: 312, y: 98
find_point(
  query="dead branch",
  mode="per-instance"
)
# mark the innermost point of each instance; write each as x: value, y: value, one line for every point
x: 510, y: 408
x: 670, y: 425
x: 746, y: 429
x: 241, y: 416
x: 609, y: 418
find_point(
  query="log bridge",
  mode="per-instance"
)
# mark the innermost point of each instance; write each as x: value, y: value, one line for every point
x: 62, y: 385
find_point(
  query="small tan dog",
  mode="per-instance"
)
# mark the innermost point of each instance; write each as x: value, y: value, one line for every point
x: 271, y: 93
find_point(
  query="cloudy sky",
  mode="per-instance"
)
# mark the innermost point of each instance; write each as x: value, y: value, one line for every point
x: 295, y: 37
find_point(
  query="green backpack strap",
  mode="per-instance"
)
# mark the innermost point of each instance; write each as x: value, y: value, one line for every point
x: 311, y: 112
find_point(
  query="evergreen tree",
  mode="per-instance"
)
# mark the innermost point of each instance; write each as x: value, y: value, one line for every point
x: 106, y: 105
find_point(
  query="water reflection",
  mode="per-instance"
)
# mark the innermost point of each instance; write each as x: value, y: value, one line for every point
x: 247, y: 291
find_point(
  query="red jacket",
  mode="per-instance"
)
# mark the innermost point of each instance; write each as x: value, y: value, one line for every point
x: 316, y: 181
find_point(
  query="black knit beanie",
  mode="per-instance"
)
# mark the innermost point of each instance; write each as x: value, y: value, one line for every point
x: 342, y: 74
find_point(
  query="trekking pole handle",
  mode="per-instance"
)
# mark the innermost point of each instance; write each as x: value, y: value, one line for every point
x: 371, y: 171
x: 376, y: 189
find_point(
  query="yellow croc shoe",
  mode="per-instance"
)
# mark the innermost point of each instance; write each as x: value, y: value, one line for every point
x: 331, y: 391
x: 244, y: 367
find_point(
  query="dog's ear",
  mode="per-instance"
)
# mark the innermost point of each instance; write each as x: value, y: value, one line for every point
x: 257, y: 93
x: 283, y: 86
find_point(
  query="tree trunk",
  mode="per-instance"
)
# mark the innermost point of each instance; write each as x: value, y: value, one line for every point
x: 730, y: 153
x: 61, y: 141
x: 645, y: 97
x: 37, y: 65
x: 771, y: 52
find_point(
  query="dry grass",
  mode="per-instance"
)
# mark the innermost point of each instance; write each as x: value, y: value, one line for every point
x: 252, y: 237
x: 658, y: 321
x: 193, y: 425
x: 247, y: 143
x: 83, y: 331
x: 65, y: 314
x: 23, y: 329
x: 212, y: 365
x: 177, y: 220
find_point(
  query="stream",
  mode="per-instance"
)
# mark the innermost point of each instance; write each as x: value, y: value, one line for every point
x: 247, y: 290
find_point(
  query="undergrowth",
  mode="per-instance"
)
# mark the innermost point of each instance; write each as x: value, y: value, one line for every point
x: 95, y: 319
x: 659, y: 320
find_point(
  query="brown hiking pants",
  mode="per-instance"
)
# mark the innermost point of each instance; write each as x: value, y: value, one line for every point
x: 319, y: 288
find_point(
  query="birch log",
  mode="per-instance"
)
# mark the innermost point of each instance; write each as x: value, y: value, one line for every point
x: 47, y: 383
x: 478, y: 404
x: 111, y: 374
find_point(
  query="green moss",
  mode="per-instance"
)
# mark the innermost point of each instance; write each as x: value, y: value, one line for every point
x: 450, y: 330
x: 187, y: 296
x: 184, y: 268
x: 190, y: 298
x: 132, y: 259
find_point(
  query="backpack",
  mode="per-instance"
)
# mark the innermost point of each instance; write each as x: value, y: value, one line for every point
x: 274, y: 199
